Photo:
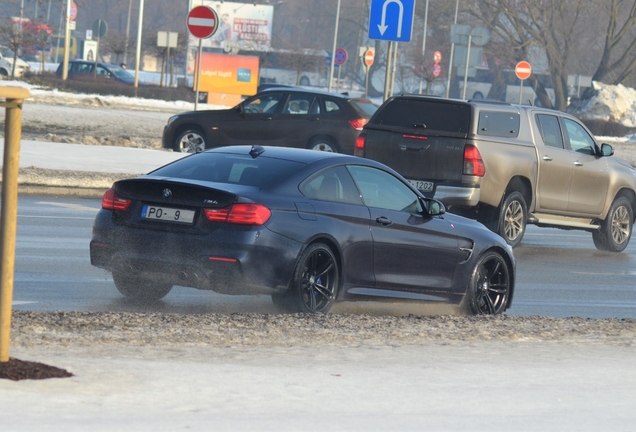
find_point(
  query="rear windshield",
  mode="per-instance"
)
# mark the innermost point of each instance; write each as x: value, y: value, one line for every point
x: 425, y: 114
x: 365, y: 106
x: 230, y: 168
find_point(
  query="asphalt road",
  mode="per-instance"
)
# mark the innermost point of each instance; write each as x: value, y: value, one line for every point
x: 559, y: 273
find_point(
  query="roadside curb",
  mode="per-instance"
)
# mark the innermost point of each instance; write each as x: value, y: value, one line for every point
x: 61, y: 191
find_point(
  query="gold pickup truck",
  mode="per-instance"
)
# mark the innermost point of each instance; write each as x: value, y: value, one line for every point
x: 506, y: 165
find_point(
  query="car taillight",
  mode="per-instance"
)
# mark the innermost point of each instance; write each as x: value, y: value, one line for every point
x: 358, y: 124
x: 240, y: 214
x: 473, y: 163
x: 360, y: 141
x: 112, y: 201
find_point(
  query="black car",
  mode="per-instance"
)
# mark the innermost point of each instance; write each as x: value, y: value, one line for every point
x: 279, y: 116
x: 306, y: 227
x: 104, y: 70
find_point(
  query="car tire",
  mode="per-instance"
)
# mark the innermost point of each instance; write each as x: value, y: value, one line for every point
x: 4, y: 72
x: 478, y: 96
x: 304, y: 81
x: 140, y: 289
x: 321, y: 144
x: 315, y: 282
x: 513, y: 215
x: 190, y: 140
x: 488, y: 292
x: 616, y: 229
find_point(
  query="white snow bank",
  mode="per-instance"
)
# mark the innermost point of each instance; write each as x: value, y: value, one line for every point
x: 615, y: 103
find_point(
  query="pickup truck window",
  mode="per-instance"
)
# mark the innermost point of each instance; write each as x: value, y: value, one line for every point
x: 499, y: 124
x: 550, y: 130
x: 580, y: 140
x: 425, y: 115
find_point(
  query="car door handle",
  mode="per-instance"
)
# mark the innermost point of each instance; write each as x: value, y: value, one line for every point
x: 266, y: 118
x: 313, y: 118
x: 546, y: 158
x: 577, y: 163
x: 384, y: 221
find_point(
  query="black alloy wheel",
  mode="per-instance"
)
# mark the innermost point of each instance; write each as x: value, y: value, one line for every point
x: 489, y: 288
x: 314, y: 284
x: 138, y: 288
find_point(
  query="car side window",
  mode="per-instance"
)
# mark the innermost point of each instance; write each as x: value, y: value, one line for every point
x: 331, y: 106
x: 580, y: 140
x: 315, y: 107
x: 298, y: 104
x: 550, y: 130
x: 334, y: 184
x: 101, y: 71
x: 380, y: 189
x: 266, y: 103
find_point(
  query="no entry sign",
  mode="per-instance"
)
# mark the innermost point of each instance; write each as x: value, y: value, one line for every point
x: 202, y: 22
x: 523, y: 70
x: 369, y: 56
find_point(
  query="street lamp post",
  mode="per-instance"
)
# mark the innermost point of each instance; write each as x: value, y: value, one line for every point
x: 333, y: 51
x: 450, y: 63
x: 424, y: 45
x: 138, y: 56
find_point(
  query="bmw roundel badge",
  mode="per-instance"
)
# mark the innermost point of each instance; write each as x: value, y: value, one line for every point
x: 167, y: 193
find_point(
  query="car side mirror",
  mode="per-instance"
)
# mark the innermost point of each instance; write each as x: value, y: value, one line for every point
x: 435, y: 208
x: 607, y: 150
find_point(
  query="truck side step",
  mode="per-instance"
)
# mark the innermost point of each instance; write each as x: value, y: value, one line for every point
x: 546, y: 219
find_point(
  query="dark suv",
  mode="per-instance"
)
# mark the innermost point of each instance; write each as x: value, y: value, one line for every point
x: 104, y: 70
x: 285, y: 116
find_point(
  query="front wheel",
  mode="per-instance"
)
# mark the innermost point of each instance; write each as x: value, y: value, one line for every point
x: 616, y: 229
x: 190, y: 141
x: 314, y: 284
x: 138, y: 288
x: 512, y: 218
x: 489, y: 288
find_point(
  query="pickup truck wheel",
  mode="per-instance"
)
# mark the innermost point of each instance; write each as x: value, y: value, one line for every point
x: 512, y: 218
x: 489, y: 288
x: 190, y: 141
x: 616, y: 229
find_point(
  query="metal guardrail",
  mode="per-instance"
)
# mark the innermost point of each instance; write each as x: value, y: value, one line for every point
x: 11, y: 98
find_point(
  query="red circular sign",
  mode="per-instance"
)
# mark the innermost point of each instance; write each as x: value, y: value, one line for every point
x: 437, y: 69
x: 523, y: 70
x: 341, y: 56
x: 437, y: 56
x: 369, y: 56
x: 202, y: 22
x: 72, y: 11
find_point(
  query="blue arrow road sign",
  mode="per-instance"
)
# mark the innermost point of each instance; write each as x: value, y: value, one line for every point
x: 391, y: 20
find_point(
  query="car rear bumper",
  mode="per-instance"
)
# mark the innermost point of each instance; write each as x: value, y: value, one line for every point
x: 249, y: 261
x: 465, y: 196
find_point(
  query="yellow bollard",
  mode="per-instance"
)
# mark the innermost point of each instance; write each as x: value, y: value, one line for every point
x: 13, y: 99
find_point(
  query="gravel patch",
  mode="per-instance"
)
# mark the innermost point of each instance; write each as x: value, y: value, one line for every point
x: 83, y: 329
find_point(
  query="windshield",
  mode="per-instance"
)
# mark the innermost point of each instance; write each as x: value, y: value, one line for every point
x: 6, y: 52
x: 367, y: 107
x: 120, y: 72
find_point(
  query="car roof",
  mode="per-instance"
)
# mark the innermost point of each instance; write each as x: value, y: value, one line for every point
x: 288, y: 153
x: 305, y: 90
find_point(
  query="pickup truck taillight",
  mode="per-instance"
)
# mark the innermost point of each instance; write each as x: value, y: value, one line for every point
x: 359, y: 150
x: 473, y: 163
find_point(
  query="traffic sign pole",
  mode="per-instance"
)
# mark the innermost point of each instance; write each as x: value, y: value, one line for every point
x: 202, y: 22
x: 523, y: 70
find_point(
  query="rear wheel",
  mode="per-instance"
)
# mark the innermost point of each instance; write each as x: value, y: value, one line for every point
x: 314, y: 284
x: 190, y: 141
x: 489, y: 288
x: 512, y: 218
x: 138, y: 288
x: 323, y: 145
x: 616, y: 229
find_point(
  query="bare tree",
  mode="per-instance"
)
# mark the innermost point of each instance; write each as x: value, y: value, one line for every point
x: 13, y: 36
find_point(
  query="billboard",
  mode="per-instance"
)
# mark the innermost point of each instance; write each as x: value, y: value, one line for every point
x: 241, y: 25
x: 231, y: 74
